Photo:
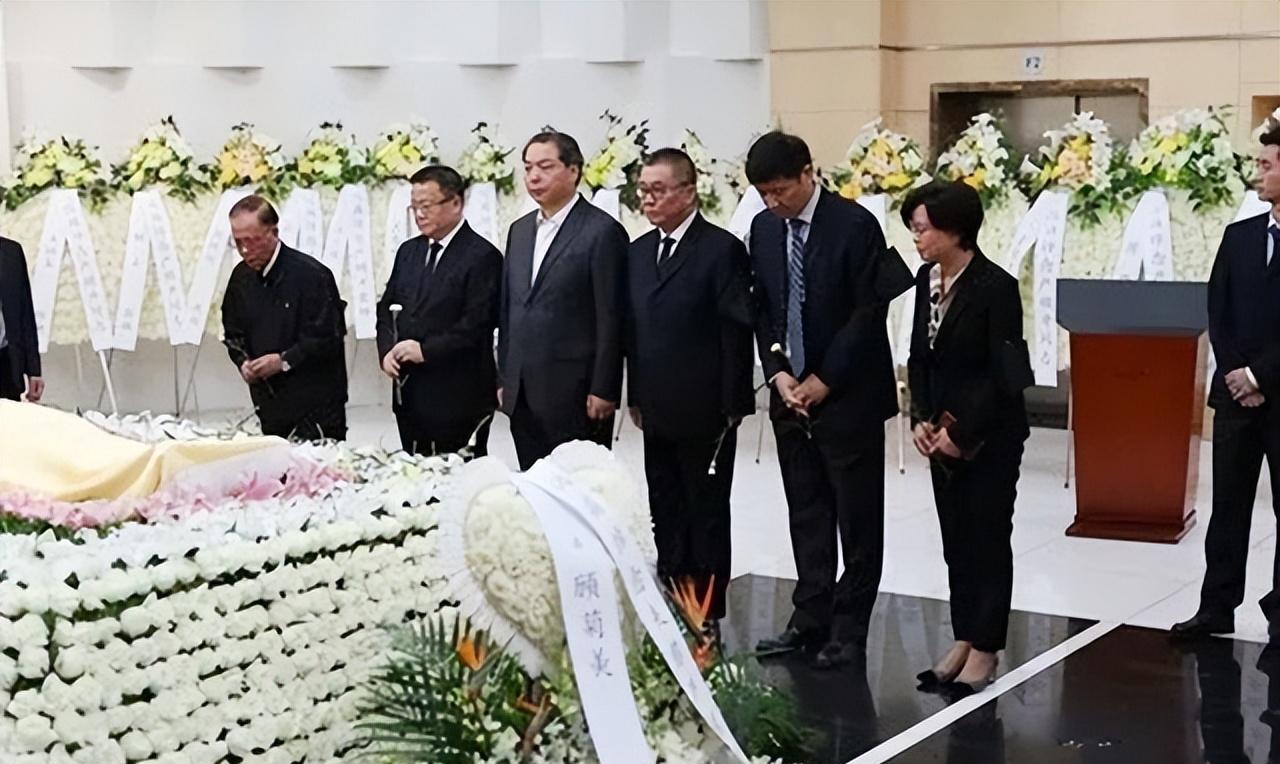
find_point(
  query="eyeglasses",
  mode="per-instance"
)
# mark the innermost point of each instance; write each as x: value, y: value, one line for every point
x: 659, y: 192
x: 425, y: 207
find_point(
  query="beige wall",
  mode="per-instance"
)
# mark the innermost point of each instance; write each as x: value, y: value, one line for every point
x: 835, y: 64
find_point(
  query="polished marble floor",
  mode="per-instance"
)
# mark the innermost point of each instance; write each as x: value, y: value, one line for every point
x: 1117, y: 691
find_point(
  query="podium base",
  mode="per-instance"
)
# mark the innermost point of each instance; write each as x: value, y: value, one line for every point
x: 1159, y: 533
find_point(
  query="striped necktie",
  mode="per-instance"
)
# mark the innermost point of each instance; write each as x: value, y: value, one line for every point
x: 795, y: 295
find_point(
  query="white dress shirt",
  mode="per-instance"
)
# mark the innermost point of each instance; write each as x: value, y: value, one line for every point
x: 270, y: 263
x: 444, y: 242
x: 548, y: 227
x: 678, y: 234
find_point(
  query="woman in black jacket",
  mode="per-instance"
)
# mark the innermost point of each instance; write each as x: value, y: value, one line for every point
x: 967, y: 371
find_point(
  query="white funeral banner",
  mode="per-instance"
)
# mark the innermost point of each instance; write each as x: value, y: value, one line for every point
x: 748, y: 207
x: 65, y: 230
x: 1147, y: 248
x: 204, y: 281
x: 609, y: 200
x: 150, y: 239
x: 400, y: 226
x: 481, y: 210
x: 302, y: 222
x: 1043, y: 227
x: 578, y: 525
x: 349, y: 242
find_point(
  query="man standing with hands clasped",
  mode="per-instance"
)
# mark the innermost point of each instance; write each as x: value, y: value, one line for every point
x: 689, y: 365
x: 1244, y: 327
x: 823, y: 282
x: 439, y: 349
x: 283, y: 325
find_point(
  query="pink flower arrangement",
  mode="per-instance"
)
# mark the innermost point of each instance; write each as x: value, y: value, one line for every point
x: 305, y: 478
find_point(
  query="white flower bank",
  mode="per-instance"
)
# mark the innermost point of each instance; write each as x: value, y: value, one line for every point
x: 236, y: 634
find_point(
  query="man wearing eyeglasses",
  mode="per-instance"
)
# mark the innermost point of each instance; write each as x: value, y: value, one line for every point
x: 560, y: 325
x: 437, y: 345
x: 283, y: 324
x: 689, y: 366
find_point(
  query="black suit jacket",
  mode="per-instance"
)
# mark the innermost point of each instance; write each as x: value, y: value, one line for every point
x: 1244, y: 311
x: 560, y: 338
x: 452, y: 314
x: 689, y: 358
x: 295, y: 311
x: 978, y: 365
x: 850, y: 279
x: 19, y: 315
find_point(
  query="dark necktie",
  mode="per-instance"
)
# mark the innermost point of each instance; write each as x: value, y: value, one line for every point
x: 1274, y: 233
x: 433, y: 257
x: 668, y: 244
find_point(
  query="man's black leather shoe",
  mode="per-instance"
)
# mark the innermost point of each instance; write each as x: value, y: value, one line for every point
x: 1203, y: 625
x: 837, y: 654
x: 791, y: 639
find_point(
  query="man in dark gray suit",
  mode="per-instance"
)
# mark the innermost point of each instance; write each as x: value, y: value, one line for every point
x: 560, y: 326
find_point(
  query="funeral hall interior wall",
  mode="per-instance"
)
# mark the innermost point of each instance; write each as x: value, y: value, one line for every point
x: 105, y: 70
x: 836, y: 65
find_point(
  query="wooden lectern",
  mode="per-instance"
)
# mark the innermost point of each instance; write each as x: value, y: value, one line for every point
x: 1138, y: 355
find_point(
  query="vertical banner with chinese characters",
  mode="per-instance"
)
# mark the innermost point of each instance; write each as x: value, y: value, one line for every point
x: 1044, y: 227
x: 646, y: 599
x: 349, y: 242
x: 65, y: 230
x: 592, y: 625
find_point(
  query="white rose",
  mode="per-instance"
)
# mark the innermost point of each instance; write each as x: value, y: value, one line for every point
x: 119, y: 718
x: 71, y: 727
x: 63, y: 600
x: 29, y: 631
x: 162, y: 738
x: 34, y: 732
x: 33, y: 662
x: 135, y: 621
x: 26, y: 703
x: 87, y: 693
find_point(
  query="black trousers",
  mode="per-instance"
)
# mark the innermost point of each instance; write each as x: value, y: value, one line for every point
x: 1240, y: 441
x: 833, y: 490
x: 975, y: 511
x: 690, y: 511
x: 536, y: 437
x: 8, y: 389
x: 417, y: 438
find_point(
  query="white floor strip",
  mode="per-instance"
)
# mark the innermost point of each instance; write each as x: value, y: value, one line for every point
x: 909, y: 737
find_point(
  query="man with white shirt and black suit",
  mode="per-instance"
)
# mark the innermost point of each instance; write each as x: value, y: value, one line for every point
x: 1244, y: 328
x: 562, y: 309
x: 19, y: 348
x: 439, y: 348
x: 689, y: 367
x: 824, y: 279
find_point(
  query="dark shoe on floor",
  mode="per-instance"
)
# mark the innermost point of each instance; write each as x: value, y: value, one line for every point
x: 836, y: 654
x: 791, y: 639
x: 1202, y: 625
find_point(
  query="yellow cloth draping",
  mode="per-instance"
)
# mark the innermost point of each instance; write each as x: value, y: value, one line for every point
x: 52, y: 453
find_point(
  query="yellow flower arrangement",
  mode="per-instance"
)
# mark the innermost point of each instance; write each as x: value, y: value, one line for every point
x: 59, y: 162
x: 162, y: 157
x: 402, y: 149
x: 880, y: 161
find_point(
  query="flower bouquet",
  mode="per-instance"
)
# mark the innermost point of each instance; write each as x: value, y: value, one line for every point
x: 60, y: 162
x: 979, y: 158
x: 485, y: 160
x: 403, y: 149
x: 1189, y: 150
x: 617, y: 164
x: 332, y: 158
x: 880, y: 161
x: 1078, y: 158
x: 250, y: 158
x: 162, y: 157
x: 707, y: 170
